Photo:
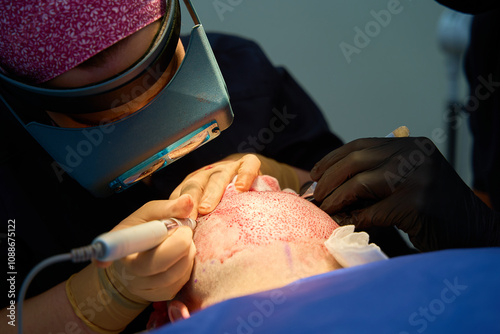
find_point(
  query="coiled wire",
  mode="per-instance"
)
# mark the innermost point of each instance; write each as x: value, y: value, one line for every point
x: 86, y: 253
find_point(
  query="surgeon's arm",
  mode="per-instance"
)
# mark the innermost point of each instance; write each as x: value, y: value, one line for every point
x: 206, y: 185
x: 106, y: 297
x: 48, y: 312
x: 404, y: 182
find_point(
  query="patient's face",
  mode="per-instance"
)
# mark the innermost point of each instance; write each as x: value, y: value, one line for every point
x: 258, y: 240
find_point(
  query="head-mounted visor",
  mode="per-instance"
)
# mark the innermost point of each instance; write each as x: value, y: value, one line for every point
x: 188, y: 112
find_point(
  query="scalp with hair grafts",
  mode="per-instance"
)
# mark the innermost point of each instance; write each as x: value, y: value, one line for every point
x: 255, y: 241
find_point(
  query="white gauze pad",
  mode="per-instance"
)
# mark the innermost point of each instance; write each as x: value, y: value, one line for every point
x: 351, y: 248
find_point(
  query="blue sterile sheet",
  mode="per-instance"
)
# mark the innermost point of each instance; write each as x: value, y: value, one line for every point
x: 452, y: 291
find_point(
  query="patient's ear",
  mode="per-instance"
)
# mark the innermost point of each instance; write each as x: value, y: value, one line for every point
x: 177, y: 311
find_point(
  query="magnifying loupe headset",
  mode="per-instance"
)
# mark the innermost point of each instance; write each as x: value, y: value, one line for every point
x: 191, y: 110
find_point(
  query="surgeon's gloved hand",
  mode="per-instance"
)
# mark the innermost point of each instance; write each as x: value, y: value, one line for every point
x: 404, y: 182
x: 207, y: 185
x: 108, y: 296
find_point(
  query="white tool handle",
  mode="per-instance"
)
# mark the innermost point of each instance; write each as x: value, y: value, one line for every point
x: 138, y: 238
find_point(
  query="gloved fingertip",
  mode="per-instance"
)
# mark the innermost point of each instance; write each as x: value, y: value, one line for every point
x: 188, y: 200
x: 242, y: 183
x: 204, y: 207
x: 313, y: 172
x: 207, y: 206
x: 241, y: 187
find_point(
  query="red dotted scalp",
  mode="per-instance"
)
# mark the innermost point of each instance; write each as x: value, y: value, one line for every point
x: 249, y: 219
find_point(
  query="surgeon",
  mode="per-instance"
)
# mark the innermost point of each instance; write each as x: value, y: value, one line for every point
x: 50, y: 207
x: 409, y: 184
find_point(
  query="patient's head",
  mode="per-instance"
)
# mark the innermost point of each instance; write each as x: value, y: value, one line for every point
x: 255, y: 241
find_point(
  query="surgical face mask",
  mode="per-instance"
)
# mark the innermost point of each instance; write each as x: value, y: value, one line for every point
x: 188, y: 112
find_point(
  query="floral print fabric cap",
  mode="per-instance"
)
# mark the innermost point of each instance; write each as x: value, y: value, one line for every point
x: 42, y: 39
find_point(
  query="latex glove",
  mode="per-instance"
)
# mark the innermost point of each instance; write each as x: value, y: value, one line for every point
x: 207, y: 185
x: 404, y: 182
x: 162, y: 271
x: 108, y: 299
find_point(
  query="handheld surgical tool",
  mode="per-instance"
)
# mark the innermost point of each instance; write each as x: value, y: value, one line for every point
x: 115, y: 245
x: 110, y: 246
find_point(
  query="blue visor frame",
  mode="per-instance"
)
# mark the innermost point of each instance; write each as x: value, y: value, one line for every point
x: 188, y: 112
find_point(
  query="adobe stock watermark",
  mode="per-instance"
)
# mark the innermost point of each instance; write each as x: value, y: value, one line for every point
x: 425, y: 148
x: 257, y: 143
x: 409, y: 163
x: 223, y: 6
x: 486, y: 87
x: 263, y: 309
x: 74, y: 155
x: 482, y: 92
x: 371, y: 29
x: 428, y: 313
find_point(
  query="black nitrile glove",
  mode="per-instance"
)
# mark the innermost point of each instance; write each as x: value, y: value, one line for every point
x: 404, y: 182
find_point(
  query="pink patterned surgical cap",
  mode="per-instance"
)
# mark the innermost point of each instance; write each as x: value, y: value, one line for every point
x: 41, y: 39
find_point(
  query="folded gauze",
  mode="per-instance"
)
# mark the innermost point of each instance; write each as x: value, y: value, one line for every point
x: 351, y: 248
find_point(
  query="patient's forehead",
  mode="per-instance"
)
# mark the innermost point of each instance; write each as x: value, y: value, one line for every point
x: 245, y: 220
